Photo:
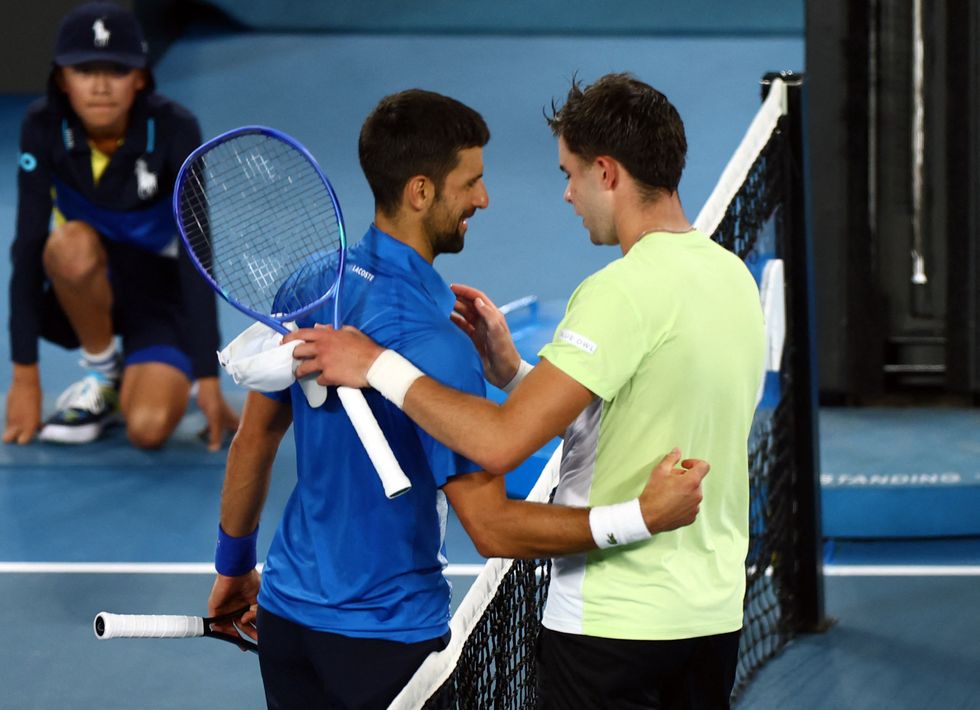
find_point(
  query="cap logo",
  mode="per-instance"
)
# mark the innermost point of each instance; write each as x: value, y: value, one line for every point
x: 101, y: 34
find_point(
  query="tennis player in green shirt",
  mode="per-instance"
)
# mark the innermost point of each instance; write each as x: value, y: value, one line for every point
x: 662, y: 348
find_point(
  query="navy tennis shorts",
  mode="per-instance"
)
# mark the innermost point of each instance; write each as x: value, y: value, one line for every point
x: 146, y: 309
x: 304, y: 669
x: 590, y: 673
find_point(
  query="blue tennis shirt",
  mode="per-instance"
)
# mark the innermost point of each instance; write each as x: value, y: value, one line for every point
x: 345, y: 559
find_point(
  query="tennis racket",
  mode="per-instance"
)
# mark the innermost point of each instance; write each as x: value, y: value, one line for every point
x: 111, y: 626
x: 263, y: 226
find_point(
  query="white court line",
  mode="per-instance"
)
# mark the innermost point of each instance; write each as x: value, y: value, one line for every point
x: 901, y: 570
x: 464, y: 570
x: 460, y: 570
x: 470, y: 570
x: 107, y: 567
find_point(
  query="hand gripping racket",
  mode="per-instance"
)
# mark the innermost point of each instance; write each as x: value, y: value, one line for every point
x: 110, y: 626
x: 262, y: 224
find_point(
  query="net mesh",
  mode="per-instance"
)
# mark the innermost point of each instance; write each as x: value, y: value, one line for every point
x: 490, y: 673
x: 259, y: 220
x: 489, y: 662
x: 755, y: 225
x: 493, y: 667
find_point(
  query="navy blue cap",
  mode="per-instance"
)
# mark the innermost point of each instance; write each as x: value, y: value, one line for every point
x: 100, y: 32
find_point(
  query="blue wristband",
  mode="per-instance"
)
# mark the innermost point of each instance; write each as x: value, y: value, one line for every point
x: 235, y: 556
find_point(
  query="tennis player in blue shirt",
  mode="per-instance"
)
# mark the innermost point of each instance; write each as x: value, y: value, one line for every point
x: 353, y: 597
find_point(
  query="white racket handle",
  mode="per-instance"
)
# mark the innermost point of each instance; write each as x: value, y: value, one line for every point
x: 146, y: 626
x: 393, y: 479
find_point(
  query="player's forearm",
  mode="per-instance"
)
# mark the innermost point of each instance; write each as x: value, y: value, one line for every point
x: 501, y: 527
x: 497, y: 437
x: 531, y: 530
x: 249, y: 468
x: 246, y: 486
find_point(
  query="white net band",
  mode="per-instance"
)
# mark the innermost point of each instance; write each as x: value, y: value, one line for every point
x: 742, y: 159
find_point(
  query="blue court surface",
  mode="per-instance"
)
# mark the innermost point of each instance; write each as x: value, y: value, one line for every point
x: 106, y: 527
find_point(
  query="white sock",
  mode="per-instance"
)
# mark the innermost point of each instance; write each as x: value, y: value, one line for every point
x: 107, y: 362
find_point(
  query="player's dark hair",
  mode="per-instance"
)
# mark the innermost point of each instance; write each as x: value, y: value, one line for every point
x: 629, y: 121
x: 415, y: 132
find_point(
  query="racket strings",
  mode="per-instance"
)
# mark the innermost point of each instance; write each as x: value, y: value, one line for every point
x: 258, y: 217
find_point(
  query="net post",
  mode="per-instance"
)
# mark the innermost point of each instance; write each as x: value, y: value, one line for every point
x: 810, y: 613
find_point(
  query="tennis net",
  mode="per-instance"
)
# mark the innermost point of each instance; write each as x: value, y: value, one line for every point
x: 754, y: 212
x: 489, y: 662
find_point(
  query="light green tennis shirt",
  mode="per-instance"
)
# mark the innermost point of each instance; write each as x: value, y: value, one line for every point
x: 670, y: 339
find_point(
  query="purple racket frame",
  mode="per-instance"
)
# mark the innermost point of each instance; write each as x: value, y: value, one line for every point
x: 393, y: 479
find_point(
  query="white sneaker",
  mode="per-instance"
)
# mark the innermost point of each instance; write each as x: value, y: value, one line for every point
x: 84, y: 410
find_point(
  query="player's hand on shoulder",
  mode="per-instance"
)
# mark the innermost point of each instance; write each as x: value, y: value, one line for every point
x: 673, y: 493
x: 477, y: 316
x: 222, y: 419
x: 342, y: 357
x: 23, y: 405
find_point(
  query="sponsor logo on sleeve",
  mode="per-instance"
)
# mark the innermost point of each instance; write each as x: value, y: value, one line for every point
x: 579, y: 341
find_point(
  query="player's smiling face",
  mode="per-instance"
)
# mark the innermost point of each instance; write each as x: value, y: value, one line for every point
x: 586, y: 193
x: 101, y: 93
x: 463, y: 193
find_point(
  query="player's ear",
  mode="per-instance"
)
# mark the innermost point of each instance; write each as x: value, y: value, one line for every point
x: 608, y: 171
x: 419, y: 193
x: 140, y: 80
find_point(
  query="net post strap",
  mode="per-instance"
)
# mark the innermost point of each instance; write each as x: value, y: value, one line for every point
x: 438, y: 666
x: 739, y: 165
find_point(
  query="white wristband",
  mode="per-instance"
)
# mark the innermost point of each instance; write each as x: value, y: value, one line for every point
x: 392, y: 375
x: 522, y: 370
x: 618, y: 524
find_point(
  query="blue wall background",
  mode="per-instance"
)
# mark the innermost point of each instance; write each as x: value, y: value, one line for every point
x: 507, y: 59
x: 319, y: 87
x: 703, y: 17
